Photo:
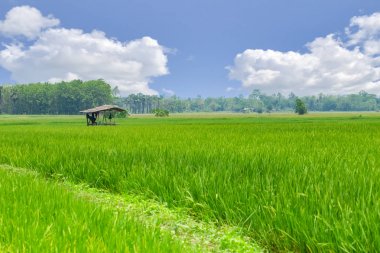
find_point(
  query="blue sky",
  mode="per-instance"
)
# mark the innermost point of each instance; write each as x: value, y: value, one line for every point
x: 200, y: 38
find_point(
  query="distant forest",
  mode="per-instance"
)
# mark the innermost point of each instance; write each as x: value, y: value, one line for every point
x: 59, y: 98
x: 71, y: 97
x: 255, y: 102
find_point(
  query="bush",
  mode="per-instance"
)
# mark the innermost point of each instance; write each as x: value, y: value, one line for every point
x: 161, y: 113
x: 122, y: 115
x: 300, y: 107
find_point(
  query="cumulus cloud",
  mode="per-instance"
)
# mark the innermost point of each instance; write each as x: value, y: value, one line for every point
x: 26, y: 21
x: 168, y: 92
x: 66, y: 54
x: 364, y: 28
x: 330, y: 65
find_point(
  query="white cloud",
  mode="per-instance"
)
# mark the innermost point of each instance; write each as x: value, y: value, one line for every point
x: 330, y: 65
x: 168, y: 92
x: 66, y: 54
x: 364, y: 32
x: 367, y: 28
x: 230, y: 89
x: 26, y: 21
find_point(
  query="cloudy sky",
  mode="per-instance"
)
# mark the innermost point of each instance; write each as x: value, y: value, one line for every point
x: 197, y: 47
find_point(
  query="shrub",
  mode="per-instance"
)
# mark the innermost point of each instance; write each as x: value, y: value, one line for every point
x: 161, y: 113
x: 300, y: 107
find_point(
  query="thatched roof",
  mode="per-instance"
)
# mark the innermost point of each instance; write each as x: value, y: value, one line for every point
x: 103, y: 108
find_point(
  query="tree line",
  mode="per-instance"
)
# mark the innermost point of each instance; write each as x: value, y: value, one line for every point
x: 60, y: 98
x: 71, y: 97
x: 255, y: 102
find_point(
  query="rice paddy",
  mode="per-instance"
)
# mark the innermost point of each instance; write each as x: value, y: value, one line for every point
x: 289, y: 183
x: 44, y: 216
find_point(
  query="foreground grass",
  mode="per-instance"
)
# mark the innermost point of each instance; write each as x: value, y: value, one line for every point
x: 291, y: 183
x: 144, y: 225
x: 41, y: 216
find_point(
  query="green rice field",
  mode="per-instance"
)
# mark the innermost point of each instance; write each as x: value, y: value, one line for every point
x: 43, y: 216
x: 289, y: 183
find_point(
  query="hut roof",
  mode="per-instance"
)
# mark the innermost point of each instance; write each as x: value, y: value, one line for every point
x: 104, y: 108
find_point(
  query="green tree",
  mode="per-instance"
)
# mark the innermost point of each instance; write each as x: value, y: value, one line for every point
x: 60, y: 98
x: 160, y: 113
x: 300, y: 107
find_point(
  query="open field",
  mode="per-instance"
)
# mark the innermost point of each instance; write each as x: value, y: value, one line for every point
x: 289, y: 182
x: 55, y: 215
x: 44, y: 216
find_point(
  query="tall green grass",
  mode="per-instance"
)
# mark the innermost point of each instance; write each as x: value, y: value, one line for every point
x: 42, y: 216
x: 304, y: 184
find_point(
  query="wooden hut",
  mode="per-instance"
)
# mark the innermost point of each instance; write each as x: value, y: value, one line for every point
x: 102, y: 115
